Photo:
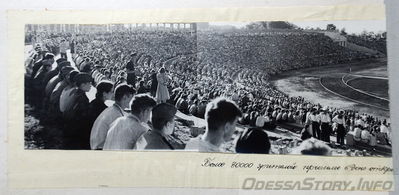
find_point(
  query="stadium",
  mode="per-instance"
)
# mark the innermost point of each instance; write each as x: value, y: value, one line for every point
x: 277, y: 73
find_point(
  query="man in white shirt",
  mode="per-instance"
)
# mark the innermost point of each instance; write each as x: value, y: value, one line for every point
x: 261, y: 120
x: 126, y: 130
x: 123, y: 95
x: 365, y: 135
x: 221, y: 117
x: 359, y: 121
x: 357, y: 133
x: 325, y: 120
x: 384, y: 128
x: 314, y: 118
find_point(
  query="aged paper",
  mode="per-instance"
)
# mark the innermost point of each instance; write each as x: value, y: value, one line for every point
x: 58, y: 169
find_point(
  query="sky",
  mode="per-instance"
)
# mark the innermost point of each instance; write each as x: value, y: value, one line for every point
x: 351, y: 26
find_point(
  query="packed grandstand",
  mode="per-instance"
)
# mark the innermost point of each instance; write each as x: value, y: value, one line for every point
x: 204, y: 65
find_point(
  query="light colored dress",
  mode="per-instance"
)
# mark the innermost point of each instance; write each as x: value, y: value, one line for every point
x: 162, y: 94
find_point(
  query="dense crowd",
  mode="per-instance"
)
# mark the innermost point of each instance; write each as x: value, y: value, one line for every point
x: 152, y: 74
x: 378, y: 43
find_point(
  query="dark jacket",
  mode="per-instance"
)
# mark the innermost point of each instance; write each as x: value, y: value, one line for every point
x: 141, y: 89
x: 95, y: 108
x: 50, y: 75
x: 36, y: 68
x: 154, y: 82
x: 78, y: 126
x: 153, y: 140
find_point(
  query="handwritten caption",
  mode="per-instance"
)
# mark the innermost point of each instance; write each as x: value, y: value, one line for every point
x: 214, y: 163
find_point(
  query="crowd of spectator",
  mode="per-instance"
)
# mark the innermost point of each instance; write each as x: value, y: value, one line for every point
x: 141, y: 70
x: 378, y: 43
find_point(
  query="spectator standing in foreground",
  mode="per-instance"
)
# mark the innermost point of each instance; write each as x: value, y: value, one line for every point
x: 325, y: 120
x: 315, y: 122
x: 162, y: 94
x: 123, y: 95
x: 126, y: 130
x: 163, y: 126
x: 154, y: 83
x: 221, y: 117
x: 341, y: 131
x: 130, y: 69
x: 63, y: 49
x: 72, y: 46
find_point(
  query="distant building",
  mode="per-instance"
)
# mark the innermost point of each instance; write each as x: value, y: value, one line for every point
x: 94, y: 28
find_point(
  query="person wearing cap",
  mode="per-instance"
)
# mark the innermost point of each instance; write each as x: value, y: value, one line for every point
x: 47, y: 59
x: 325, y: 127
x: 141, y: 88
x: 253, y: 140
x: 123, y: 95
x: 125, y: 131
x: 163, y: 124
x: 57, y: 78
x: 56, y: 93
x: 221, y: 118
x: 182, y: 104
x: 83, y: 63
x: 77, y: 131
x: 38, y: 84
x: 55, y: 71
x: 314, y: 120
x: 96, y: 71
x: 87, y: 67
x: 339, y: 119
x: 67, y: 95
x: 201, y: 109
x: 97, y: 105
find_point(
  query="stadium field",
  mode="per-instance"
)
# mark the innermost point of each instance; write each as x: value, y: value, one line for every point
x: 377, y: 87
x: 328, y: 87
x: 335, y: 83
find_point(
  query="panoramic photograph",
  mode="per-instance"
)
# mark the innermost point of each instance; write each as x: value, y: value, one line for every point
x: 262, y: 87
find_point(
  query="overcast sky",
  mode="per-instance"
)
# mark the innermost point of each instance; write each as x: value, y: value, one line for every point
x: 352, y: 26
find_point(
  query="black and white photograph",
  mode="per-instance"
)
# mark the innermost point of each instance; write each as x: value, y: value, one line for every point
x: 261, y: 87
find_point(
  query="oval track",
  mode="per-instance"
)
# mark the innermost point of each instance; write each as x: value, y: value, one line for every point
x: 334, y: 84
